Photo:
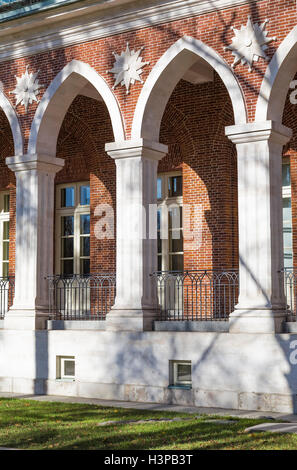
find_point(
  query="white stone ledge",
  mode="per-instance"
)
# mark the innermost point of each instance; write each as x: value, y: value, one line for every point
x: 258, y: 131
x: 196, y: 326
x: 44, y: 31
x: 76, y: 325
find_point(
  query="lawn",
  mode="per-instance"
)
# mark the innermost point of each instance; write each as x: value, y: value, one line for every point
x: 33, y: 425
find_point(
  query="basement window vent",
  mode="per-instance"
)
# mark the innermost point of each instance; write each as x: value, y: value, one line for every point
x: 180, y: 374
x: 66, y: 367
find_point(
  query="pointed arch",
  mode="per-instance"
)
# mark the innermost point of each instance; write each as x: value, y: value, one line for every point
x: 276, y: 82
x: 12, y: 118
x: 163, y: 78
x: 52, y: 109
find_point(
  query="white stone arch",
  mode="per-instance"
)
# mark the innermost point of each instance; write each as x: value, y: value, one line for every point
x: 163, y: 78
x: 276, y: 81
x: 52, y: 109
x: 12, y: 118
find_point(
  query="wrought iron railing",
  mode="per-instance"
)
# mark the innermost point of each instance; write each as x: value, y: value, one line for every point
x: 81, y: 297
x: 196, y: 295
x: 289, y: 277
x: 6, y: 294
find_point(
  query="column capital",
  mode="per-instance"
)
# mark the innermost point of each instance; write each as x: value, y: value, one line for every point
x: 41, y: 162
x: 259, y: 131
x: 136, y: 148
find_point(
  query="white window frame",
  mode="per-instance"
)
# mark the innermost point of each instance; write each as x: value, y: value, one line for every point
x: 61, y: 368
x: 164, y: 204
x: 76, y: 212
x: 287, y: 194
x: 4, y: 217
x: 174, y: 374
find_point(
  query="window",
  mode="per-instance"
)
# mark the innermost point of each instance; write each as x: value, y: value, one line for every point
x: 287, y: 214
x: 4, y: 234
x: 65, y: 367
x: 73, y: 229
x: 169, y: 222
x: 180, y: 374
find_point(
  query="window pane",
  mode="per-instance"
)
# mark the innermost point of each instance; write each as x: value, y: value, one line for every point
x: 288, y: 239
x: 288, y: 260
x: 176, y: 262
x: 67, y: 266
x: 159, y: 243
x: 5, y: 251
x: 287, y: 212
x: 6, y: 230
x: 67, y: 197
x: 160, y: 263
x: 175, y: 187
x: 67, y: 225
x: 183, y: 373
x: 174, y: 215
x: 286, y: 174
x: 5, y: 269
x: 85, y: 195
x: 6, y: 202
x: 159, y: 188
x: 85, y: 223
x: 67, y: 248
x: 85, y: 266
x: 176, y: 241
x: 158, y: 219
x: 69, y: 368
x: 84, y: 246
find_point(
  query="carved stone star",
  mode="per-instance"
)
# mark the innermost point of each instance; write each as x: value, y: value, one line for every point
x: 27, y: 89
x: 250, y: 43
x: 127, y: 67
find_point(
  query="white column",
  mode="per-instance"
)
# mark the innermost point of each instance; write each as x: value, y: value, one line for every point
x: 261, y: 305
x: 136, y: 239
x: 35, y: 176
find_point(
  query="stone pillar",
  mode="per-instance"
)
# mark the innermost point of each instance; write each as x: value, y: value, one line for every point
x: 35, y: 176
x: 136, y: 242
x: 261, y: 305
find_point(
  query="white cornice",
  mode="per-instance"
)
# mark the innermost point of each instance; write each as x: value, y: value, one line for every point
x: 91, y: 20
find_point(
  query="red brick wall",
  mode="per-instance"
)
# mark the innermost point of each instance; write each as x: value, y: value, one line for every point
x: 193, y: 127
x: 7, y: 181
x: 84, y: 132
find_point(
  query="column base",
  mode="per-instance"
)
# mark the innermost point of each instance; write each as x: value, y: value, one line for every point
x: 256, y: 321
x: 25, y: 320
x: 130, y: 320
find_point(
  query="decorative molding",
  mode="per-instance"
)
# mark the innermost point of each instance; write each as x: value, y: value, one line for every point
x: 27, y: 89
x: 127, y: 67
x: 258, y: 132
x: 42, y: 32
x: 250, y: 43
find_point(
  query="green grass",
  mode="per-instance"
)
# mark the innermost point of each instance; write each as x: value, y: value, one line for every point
x: 29, y: 424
